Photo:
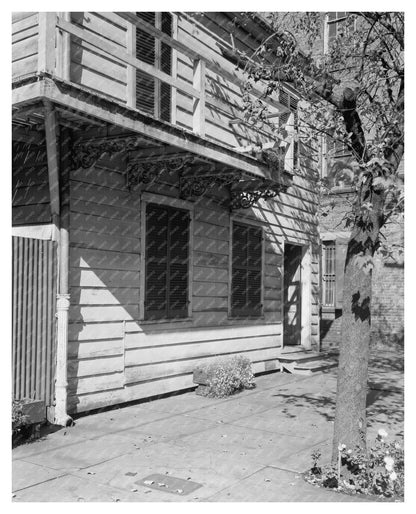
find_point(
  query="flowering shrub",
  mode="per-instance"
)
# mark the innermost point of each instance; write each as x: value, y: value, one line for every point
x: 226, y: 376
x: 380, y: 471
x: 20, y: 422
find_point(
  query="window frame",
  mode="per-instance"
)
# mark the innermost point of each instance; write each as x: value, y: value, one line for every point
x: 291, y: 101
x: 175, y: 203
x: 333, y: 245
x: 157, y: 64
x: 240, y: 220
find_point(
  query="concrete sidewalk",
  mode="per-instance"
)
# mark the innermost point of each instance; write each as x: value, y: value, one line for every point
x: 249, y: 447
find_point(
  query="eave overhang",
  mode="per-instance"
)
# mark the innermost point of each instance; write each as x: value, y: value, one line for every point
x: 248, y: 178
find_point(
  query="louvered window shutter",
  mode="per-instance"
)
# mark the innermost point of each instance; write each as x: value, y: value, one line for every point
x: 166, y: 66
x: 156, y: 303
x: 292, y: 103
x: 246, y: 278
x: 341, y: 247
x: 167, y: 262
x: 178, y: 264
x: 152, y: 95
x: 145, y: 51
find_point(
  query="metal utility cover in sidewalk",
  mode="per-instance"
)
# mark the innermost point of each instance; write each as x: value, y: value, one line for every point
x: 169, y: 484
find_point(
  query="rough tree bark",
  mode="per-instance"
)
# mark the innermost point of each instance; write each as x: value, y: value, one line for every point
x: 350, y: 415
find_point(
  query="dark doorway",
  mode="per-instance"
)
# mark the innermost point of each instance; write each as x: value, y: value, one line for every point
x: 292, y: 300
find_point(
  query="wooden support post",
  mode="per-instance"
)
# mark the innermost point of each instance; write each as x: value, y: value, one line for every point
x: 47, y: 42
x: 306, y: 297
x: 52, y: 157
x: 131, y: 70
x: 58, y: 169
x: 198, y: 118
x: 63, y: 49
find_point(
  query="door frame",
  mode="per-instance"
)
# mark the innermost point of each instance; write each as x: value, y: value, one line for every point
x: 306, y: 294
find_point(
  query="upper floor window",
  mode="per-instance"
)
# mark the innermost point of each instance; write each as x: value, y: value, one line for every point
x: 290, y: 120
x: 246, y: 270
x: 335, y: 24
x: 154, y: 96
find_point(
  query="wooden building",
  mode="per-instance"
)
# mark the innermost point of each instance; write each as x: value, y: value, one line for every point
x: 176, y: 231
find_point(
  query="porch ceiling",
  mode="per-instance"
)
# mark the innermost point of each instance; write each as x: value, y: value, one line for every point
x: 103, y: 127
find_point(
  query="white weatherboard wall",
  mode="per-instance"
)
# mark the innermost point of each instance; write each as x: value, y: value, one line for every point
x: 115, y: 357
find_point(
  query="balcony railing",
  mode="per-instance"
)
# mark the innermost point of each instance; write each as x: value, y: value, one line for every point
x: 207, y: 75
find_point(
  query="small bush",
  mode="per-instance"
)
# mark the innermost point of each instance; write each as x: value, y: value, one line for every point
x: 379, y: 471
x: 227, y: 376
x: 20, y: 422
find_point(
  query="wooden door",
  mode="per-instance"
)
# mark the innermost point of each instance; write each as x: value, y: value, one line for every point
x: 292, y: 291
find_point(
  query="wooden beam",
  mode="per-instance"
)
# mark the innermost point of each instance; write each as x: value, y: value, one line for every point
x: 46, y: 42
x: 198, y: 116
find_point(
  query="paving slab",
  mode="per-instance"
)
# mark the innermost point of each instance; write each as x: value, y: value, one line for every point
x: 228, y: 411
x: 114, y: 421
x: 275, y: 485
x: 180, y: 403
x: 213, y: 470
x: 249, y: 447
x: 307, y: 424
x: 256, y: 445
x: 174, y: 426
x: 83, y: 454
x: 63, y: 438
x: 26, y: 474
x: 70, y: 488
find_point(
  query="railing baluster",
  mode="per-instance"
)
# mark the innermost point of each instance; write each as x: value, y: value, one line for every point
x: 198, y: 118
x: 131, y: 70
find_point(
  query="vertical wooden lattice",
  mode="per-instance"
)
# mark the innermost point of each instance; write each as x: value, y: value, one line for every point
x: 33, y: 318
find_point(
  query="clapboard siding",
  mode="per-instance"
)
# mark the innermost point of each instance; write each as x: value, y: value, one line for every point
x: 114, y: 356
x: 30, y: 188
x: 158, y: 354
x: 92, y: 67
x: 24, y: 44
x: 169, y: 368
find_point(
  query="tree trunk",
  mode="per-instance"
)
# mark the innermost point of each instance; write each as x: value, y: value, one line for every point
x: 350, y: 415
x: 350, y: 419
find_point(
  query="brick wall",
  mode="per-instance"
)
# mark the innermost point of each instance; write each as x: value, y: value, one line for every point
x: 387, y: 285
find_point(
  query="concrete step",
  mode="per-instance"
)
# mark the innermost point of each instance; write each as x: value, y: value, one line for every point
x: 307, y: 362
x: 307, y: 368
x: 303, y: 356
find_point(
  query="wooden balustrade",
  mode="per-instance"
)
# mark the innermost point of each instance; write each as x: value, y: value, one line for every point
x: 54, y: 57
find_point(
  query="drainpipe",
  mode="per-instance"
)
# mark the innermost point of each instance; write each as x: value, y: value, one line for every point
x: 60, y: 217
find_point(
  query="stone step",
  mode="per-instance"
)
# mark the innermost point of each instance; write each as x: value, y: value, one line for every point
x: 302, y: 356
x: 314, y: 366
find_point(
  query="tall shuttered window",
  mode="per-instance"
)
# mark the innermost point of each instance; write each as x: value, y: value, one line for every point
x: 290, y: 121
x: 246, y: 280
x: 167, y: 262
x: 154, y: 96
x: 328, y: 274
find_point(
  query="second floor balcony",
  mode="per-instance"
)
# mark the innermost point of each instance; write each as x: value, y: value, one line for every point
x: 169, y: 68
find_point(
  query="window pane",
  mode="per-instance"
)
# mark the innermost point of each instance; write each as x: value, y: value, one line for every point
x: 328, y: 274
